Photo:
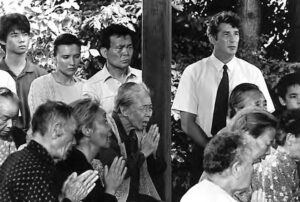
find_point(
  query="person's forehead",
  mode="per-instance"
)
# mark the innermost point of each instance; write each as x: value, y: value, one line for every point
x: 253, y: 94
x: 65, y: 49
x: 293, y: 88
x: 7, y: 107
x: 226, y: 27
x: 117, y: 39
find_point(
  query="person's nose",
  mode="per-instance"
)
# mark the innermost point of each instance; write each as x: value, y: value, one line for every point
x: 9, y: 123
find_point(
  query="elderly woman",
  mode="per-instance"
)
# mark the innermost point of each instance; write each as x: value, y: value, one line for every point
x: 277, y: 174
x: 92, y: 135
x: 228, y: 164
x: 133, y: 110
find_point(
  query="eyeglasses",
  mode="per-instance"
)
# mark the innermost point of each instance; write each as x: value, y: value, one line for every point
x: 146, y: 108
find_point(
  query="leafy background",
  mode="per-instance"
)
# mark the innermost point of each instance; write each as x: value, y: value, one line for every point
x: 86, y: 19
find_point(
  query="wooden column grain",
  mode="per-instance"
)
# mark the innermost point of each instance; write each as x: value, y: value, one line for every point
x: 156, y: 65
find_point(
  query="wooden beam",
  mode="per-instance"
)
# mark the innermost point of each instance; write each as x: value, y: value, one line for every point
x: 156, y: 63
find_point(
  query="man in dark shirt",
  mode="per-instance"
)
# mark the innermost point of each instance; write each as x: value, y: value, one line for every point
x: 28, y: 175
x: 14, y: 39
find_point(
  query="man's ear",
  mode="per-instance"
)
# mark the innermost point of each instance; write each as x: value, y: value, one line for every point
x: 123, y: 111
x: 236, y: 169
x: 2, y: 42
x: 290, y: 139
x: 282, y: 101
x: 212, y: 39
x: 57, y: 130
x: 103, y: 52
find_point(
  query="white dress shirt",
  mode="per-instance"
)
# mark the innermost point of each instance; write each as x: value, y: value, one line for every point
x: 199, y: 82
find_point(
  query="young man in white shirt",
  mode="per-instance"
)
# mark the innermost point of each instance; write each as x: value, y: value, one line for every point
x: 197, y: 91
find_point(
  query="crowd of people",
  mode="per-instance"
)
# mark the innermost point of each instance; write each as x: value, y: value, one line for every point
x: 63, y: 138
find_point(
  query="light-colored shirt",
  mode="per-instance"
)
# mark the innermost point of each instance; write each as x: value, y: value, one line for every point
x: 206, y: 191
x: 199, y: 82
x: 46, y: 88
x: 104, y: 88
x: 6, y: 148
x: 7, y: 81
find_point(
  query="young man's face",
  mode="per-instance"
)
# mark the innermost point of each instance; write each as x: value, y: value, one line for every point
x: 292, y: 97
x: 67, y: 59
x: 226, y: 42
x: 120, y: 53
x: 17, y: 42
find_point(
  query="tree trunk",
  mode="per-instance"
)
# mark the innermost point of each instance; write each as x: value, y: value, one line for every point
x: 250, y: 13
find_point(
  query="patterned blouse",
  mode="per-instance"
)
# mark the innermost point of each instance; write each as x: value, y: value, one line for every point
x: 277, y: 176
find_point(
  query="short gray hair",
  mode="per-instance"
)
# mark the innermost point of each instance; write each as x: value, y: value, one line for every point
x: 127, y: 93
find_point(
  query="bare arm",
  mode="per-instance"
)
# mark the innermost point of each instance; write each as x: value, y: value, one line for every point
x: 192, y: 129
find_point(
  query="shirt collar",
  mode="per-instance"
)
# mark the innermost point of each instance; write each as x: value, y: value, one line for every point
x: 28, y: 66
x: 107, y: 75
x: 218, y: 64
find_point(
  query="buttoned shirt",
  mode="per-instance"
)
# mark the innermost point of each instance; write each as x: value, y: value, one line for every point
x: 199, y: 82
x: 28, y: 175
x: 206, y: 191
x: 103, y: 87
x: 7, y: 81
x: 23, y: 82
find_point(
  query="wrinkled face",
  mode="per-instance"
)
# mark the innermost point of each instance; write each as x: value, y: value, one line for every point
x: 120, y: 53
x: 66, y: 140
x: 140, y: 112
x: 8, y: 110
x: 261, y: 145
x: 292, y: 97
x: 101, y: 130
x: 226, y: 42
x: 17, y: 42
x: 67, y: 59
x: 254, y: 98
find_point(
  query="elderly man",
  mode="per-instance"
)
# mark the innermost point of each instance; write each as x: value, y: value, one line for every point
x: 228, y: 164
x: 28, y: 175
x: 10, y: 137
x: 117, y: 49
x: 133, y: 109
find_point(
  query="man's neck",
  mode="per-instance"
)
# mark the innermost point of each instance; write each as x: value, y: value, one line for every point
x: 224, y: 59
x: 117, y: 73
x: 223, y: 182
x: 16, y: 63
x: 63, y: 79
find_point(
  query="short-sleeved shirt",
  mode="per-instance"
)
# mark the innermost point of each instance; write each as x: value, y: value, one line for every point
x: 103, y: 87
x: 23, y: 82
x: 28, y: 175
x: 46, y: 88
x: 199, y: 82
x: 7, y: 81
x: 206, y: 191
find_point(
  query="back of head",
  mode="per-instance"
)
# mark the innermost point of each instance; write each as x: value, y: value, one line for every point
x: 13, y: 21
x: 236, y: 97
x: 285, y: 82
x: 222, y: 151
x: 85, y: 112
x: 289, y: 122
x: 65, y: 39
x: 227, y: 17
x: 253, y: 120
x: 114, y: 30
x: 48, y: 114
x: 128, y: 92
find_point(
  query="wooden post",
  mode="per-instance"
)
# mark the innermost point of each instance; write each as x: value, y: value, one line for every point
x: 250, y: 14
x: 156, y: 63
x: 294, y: 42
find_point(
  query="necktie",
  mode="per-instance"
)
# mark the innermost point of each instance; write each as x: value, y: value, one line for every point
x: 221, y: 104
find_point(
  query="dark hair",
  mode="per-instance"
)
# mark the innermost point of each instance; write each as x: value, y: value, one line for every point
x: 117, y: 30
x: 85, y: 112
x: 285, y: 82
x: 127, y: 93
x: 65, y: 39
x: 227, y: 17
x: 289, y: 122
x: 253, y: 120
x: 222, y: 151
x: 236, y: 97
x: 12, y: 21
x: 48, y: 113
